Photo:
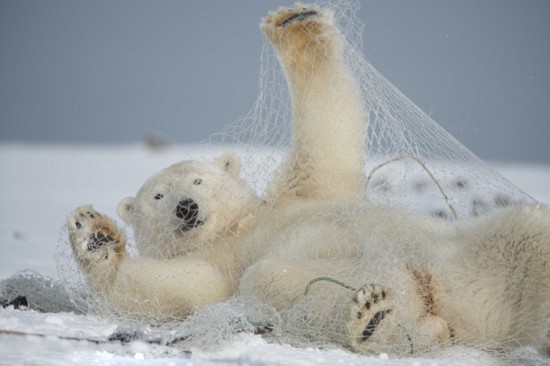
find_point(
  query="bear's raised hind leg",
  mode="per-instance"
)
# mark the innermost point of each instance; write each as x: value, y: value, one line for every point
x: 328, y: 117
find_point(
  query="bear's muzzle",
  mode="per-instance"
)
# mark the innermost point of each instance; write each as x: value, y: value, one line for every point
x: 188, y: 211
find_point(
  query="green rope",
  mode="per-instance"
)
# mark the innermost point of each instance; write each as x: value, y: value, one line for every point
x: 328, y: 279
x: 408, y: 337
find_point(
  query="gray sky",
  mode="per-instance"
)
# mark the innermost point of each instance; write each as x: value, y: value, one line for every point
x: 106, y: 71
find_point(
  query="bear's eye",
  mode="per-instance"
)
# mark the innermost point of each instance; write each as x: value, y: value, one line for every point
x: 158, y: 196
x: 197, y: 182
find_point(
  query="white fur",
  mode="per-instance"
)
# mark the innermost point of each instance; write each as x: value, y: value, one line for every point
x: 222, y: 197
x: 485, y: 280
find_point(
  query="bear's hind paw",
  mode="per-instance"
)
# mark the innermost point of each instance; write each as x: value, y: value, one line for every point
x: 296, y: 17
x: 284, y: 17
x: 370, y: 306
x: 301, y: 21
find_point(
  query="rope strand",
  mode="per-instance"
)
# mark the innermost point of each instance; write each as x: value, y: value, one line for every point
x: 328, y: 279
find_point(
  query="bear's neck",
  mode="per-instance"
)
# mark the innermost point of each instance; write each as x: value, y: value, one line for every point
x: 228, y: 241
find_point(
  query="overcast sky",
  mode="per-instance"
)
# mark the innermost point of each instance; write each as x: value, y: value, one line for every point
x: 107, y: 71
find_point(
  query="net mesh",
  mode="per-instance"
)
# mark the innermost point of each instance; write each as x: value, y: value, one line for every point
x: 410, y: 161
x: 371, y: 145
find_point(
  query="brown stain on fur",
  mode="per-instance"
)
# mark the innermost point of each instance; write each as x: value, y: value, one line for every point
x: 425, y: 290
x: 108, y: 228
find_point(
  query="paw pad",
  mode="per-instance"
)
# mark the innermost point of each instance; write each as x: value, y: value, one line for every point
x: 369, y: 307
x: 98, y: 240
x: 298, y: 17
x: 90, y: 231
x: 373, y: 324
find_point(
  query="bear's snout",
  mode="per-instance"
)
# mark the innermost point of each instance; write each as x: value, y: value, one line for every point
x: 188, y: 211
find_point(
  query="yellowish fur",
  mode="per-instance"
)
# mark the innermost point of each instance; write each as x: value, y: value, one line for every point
x: 329, y: 121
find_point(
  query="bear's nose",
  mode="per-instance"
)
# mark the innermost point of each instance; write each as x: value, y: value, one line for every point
x: 188, y: 211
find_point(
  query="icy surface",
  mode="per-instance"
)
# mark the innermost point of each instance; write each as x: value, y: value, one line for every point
x: 40, y: 185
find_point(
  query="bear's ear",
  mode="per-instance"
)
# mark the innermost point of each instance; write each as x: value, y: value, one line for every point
x: 230, y: 162
x: 124, y: 209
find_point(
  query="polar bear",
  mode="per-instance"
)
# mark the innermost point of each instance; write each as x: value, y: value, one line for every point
x: 203, y: 212
x: 191, y: 211
x: 413, y: 283
x: 187, y: 206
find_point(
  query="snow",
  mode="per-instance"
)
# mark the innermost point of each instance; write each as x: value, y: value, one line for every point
x: 41, y: 184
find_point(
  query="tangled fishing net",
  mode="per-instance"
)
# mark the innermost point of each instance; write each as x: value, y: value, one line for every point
x: 410, y: 161
x: 407, y: 161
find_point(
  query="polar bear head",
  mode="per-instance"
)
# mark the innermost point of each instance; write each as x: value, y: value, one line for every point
x: 187, y: 205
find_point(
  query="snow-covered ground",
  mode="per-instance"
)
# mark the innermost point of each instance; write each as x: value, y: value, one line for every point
x: 40, y: 185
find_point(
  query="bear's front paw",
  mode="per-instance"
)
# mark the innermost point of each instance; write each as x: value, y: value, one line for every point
x: 370, y: 306
x: 93, y: 236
